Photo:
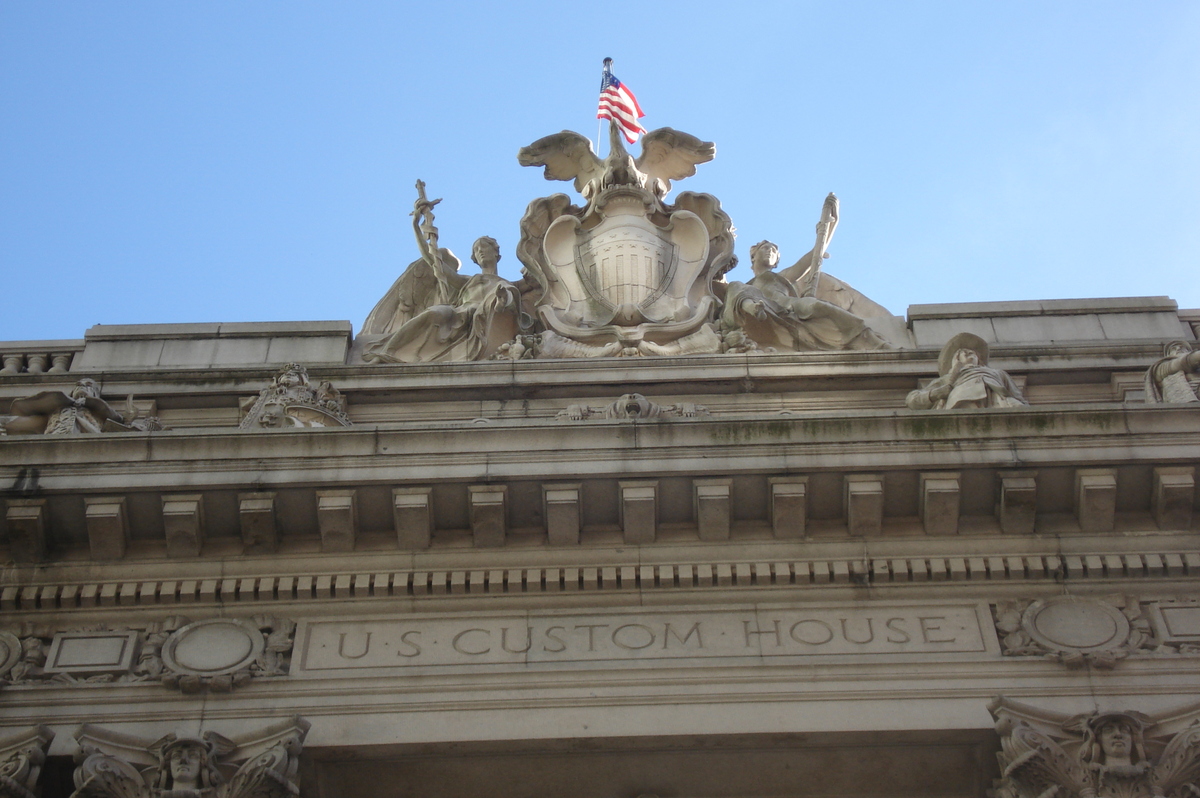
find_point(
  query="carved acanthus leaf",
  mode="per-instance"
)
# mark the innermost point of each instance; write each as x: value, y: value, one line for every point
x: 1123, y: 754
x: 264, y: 764
x: 1178, y: 769
x: 100, y: 775
x: 1077, y: 631
x: 21, y: 759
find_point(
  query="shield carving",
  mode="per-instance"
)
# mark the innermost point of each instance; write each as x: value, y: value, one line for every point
x: 626, y: 270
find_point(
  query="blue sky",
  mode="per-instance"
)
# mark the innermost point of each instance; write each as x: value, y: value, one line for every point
x: 255, y: 161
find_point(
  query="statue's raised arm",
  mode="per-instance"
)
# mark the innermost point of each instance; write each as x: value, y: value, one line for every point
x: 441, y: 267
x: 433, y: 313
x: 804, y: 273
x: 432, y: 279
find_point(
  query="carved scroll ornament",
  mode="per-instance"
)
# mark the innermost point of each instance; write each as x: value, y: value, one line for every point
x: 633, y: 405
x: 215, y: 655
x: 1082, y: 631
x: 1115, y: 754
x: 208, y: 765
x: 21, y: 759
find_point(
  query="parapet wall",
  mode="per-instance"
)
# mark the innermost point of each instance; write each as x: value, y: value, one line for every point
x: 141, y: 347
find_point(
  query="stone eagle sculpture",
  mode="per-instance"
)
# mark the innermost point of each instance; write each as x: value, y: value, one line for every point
x: 667, y: 154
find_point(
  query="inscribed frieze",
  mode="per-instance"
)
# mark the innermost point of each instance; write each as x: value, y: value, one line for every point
x: 543, y: 639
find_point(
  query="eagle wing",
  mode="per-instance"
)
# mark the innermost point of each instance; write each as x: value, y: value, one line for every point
x: 669, y: 154
x: 566, y: 156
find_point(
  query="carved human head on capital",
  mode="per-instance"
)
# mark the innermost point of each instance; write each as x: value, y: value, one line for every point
x: 190, y: 763
x: 1115, y: 739
x: 486, y: 253
x: 763, y: 256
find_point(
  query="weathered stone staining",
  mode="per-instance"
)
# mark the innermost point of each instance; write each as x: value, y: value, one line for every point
x: 619, y: 524
x: 1175, y: 377
x: 628, y: 275
x: 292, y: 401
x: 966, y: 381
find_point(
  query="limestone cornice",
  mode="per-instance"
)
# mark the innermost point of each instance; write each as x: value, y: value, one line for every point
x: 573, y: 376
x: 485, y: 448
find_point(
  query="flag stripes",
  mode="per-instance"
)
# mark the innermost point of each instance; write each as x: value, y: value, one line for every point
x: 618, y: 104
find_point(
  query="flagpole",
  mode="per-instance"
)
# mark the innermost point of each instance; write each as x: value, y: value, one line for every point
x: 605, y: 70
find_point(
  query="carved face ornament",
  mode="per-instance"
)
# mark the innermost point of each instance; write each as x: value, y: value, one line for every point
x: 486, y: 253
x: 966, y: 357
x: 763, y: 257
x: 1115, y: 740
x: 185, y: 764
x: 85, y: 388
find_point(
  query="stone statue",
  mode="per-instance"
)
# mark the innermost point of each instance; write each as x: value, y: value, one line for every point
x: 627, y: 275
x: 291, y: 401
x: 1175, y: 377
x: 190, y: 766
x: 966, y: 380
x: 1102, y: 755
x: 433, y: 313
x: 82, y: 410
x: 667, y: 155
x: 779, y: 311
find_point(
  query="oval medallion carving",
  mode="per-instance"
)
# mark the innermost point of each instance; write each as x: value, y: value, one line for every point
x: 10, y: 651
x: 1066, y: 623
x: 213, y: 647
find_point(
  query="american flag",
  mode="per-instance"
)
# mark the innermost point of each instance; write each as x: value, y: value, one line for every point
x: 618, y: 104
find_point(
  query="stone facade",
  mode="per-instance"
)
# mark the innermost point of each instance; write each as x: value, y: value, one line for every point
x: 646, y: 570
